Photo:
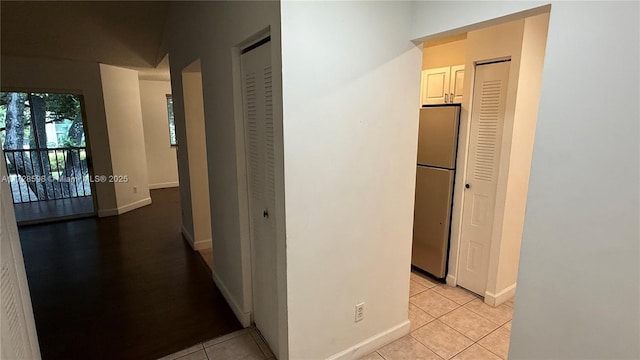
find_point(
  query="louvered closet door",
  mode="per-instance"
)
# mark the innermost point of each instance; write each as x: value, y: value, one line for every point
x: 19, y: 339
x: 487, y: 115
x: 259, y: 130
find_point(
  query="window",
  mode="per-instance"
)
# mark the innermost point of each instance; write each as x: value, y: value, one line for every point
x: 172, y: 124
x: 30, y: 120
x: 42, y: 135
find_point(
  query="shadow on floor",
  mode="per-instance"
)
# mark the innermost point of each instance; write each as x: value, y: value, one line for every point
x: 122, y: 287
x: 53, y: 210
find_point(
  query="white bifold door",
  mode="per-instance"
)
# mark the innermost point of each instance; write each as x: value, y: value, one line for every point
x: 259, y: 142
x: 19, y: 339
x: 487, y: 118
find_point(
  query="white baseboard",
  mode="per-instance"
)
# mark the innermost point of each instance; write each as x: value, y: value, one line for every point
x: 187, y: 235
x: 451, y: 280
x: 163, y: 185
x: 107, y: 212
x: 134, y: 205
x: 502, y: 296
x: 373, y: 343
x: 243, y: 317
x: 125, y: 208
x: 203, y: 244
x: 196, y: 245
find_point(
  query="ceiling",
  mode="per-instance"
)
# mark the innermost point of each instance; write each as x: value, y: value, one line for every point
x: 121, y: 33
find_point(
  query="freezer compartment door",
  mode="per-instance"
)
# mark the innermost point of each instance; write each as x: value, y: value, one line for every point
x: 438, y: 136
x: 431, y: 221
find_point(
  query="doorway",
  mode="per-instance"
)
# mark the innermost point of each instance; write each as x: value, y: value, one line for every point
x: 502, y: 66
x: 46, y: 156
x: 495, y: 145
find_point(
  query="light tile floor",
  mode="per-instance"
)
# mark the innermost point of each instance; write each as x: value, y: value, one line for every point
x: 446, y: 323
x: 450, y: 323
x: 244, y: 344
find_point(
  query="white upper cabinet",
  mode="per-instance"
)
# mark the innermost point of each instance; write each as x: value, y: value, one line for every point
x: 455, y: 86
x: 435, y: 85
x: 442, y: 85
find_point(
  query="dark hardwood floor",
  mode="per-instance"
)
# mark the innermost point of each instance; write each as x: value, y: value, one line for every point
x: 122, y: 287
x: 53, y: 210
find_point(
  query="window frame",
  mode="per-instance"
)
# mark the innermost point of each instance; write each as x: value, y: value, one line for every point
x: 173, y: 140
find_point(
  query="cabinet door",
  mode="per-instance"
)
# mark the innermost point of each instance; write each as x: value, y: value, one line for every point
x: 435, y: 85
x: 457, y: 81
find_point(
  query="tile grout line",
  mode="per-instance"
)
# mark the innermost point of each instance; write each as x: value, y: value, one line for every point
x: 241, y: 331
x: 433, y: 351
x: 486, y: 318
x: 458, y: 306
x: 476, y: 341
x: 463, y: 335
x: 431, y: 284
x: 418, y: 293
x: 466, y: 302
x: 205, y: 351
x: 491, y: 332
x: 489, y: 350
x: 255, y: 333
x: 438, y: 317
x: 459, y: 352
x: 184, y: 355
x: 473, y: 342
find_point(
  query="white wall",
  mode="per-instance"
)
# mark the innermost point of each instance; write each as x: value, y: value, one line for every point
x: 162, y: 165
x: 28, y: 74
x: 579, y: 265
x: 436, y: 19
x: 444, y: 54
x: 493, y: 42
x: 121, y: 93
x: 505, y: 269
x: 582, y: 217
x: 211, y: 31
x: 200, y: 236
x: 523, y: 41
x: 350, y: 140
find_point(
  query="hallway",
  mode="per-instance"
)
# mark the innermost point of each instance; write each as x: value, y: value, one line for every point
x: 122, y: 287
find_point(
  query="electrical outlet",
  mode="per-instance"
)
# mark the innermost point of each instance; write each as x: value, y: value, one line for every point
x: 359, y: 312
x: 135, y: 189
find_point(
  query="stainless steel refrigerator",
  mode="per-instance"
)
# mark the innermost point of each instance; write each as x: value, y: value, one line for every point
x: 435, y: 173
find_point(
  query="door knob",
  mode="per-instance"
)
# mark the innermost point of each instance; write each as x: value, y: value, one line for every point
x: 265, y: 214
x: 467, y: 186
